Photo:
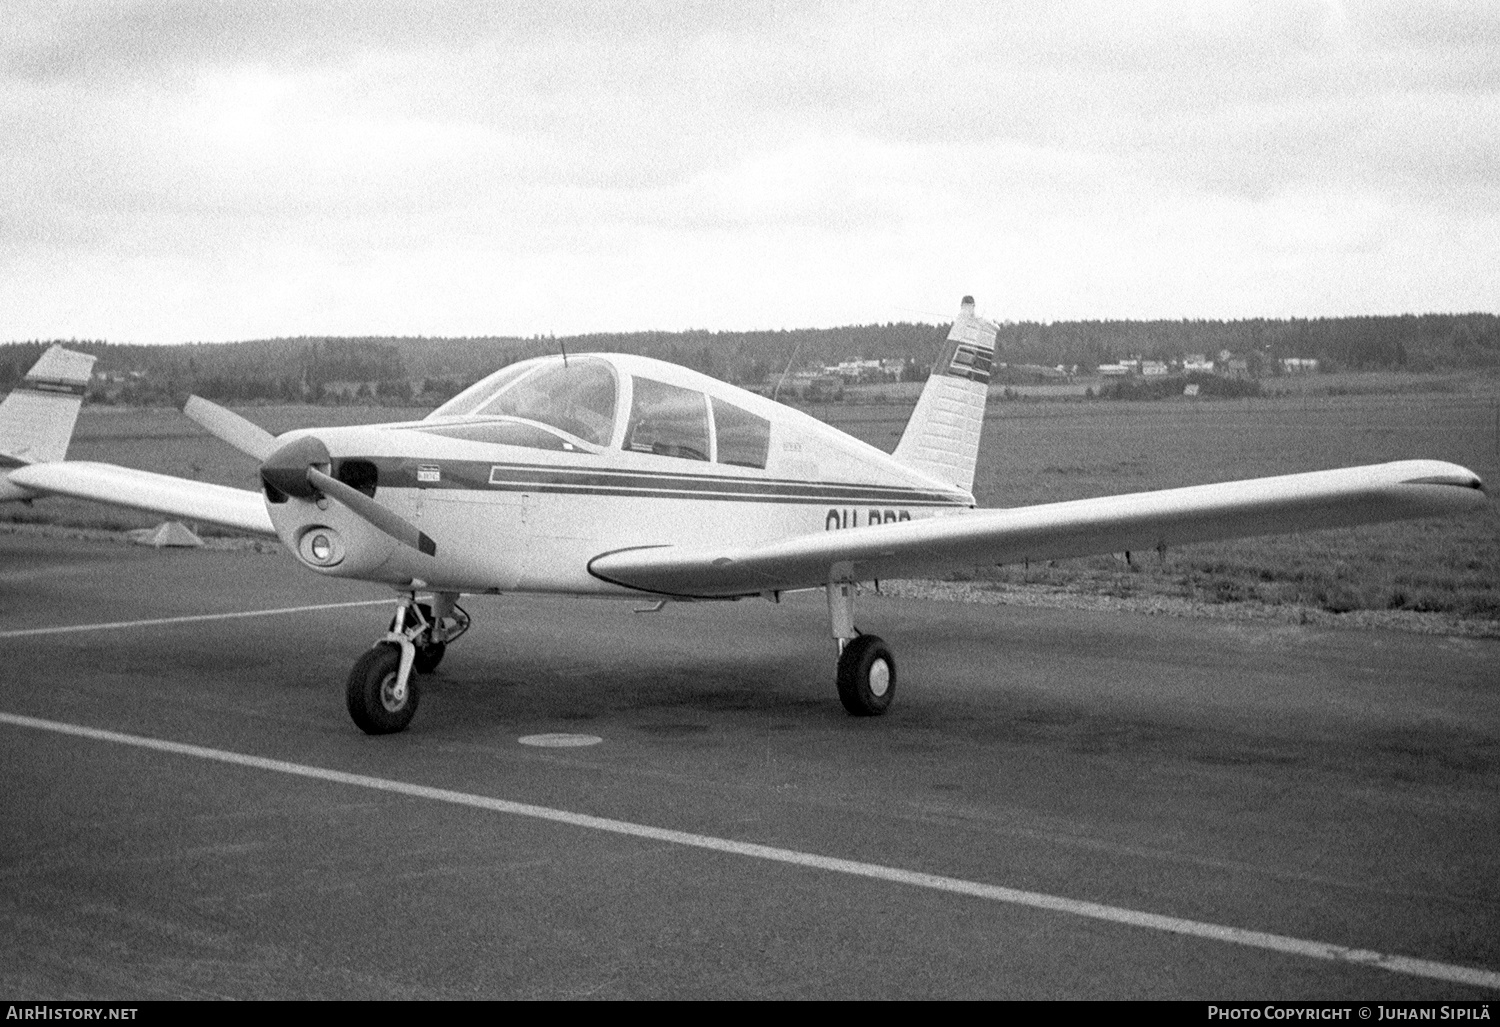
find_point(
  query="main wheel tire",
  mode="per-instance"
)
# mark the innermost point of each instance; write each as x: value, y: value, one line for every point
x: 867, y: 676
x: 371, y: 682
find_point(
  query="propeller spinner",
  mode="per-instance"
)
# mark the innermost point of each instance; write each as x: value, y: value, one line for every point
x: 293, y: 469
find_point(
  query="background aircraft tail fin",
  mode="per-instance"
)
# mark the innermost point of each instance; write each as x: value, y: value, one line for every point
x: 37, y: 418
x: 942, y: 438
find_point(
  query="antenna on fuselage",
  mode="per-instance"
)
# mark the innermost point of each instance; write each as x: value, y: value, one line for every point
x: 795, y: 350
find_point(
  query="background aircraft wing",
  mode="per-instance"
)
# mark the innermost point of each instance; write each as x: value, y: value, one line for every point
x: 1140, y: 521
x: 240, y: 509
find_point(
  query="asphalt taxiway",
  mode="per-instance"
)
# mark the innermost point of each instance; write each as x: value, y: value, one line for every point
x: 1060, y: 804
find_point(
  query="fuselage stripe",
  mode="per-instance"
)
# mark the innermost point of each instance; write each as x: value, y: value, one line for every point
x: 467, y: 475
x: 690, y: 494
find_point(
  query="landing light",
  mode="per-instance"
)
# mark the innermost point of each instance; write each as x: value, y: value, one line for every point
x: 321, y: 547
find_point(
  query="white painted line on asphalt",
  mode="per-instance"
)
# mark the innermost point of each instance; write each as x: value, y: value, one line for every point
x: 157, y: 622
x: 957, y: 886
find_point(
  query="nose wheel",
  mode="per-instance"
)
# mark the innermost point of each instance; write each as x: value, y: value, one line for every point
x: 379, y: 700
x: 382, y: 689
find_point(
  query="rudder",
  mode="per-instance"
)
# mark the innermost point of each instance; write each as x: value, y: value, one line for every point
x: 942, y: 438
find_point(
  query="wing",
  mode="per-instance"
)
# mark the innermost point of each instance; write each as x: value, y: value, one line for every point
x: 240, y: 509
x: 1140, y: 521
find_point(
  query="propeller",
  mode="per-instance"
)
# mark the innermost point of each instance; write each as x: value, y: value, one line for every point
x: 246, y: 436
x: 293, y: 469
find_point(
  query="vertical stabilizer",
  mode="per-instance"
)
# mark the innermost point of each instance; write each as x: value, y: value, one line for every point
x: 37, y: 418
x: 942, y: 437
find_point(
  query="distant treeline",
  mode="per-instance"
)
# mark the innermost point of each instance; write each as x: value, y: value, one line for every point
x: 1412, y: 342
x: 312, y: 369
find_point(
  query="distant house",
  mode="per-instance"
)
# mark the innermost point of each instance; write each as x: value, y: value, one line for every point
x: 1114, y: 370
x: 811, y: 384
x: 1299, y: 365
x: 1234, y: 367
x: 867, y: 370
x: 854, y: 369
x: 1197, y: 362
x: 1153, y: 368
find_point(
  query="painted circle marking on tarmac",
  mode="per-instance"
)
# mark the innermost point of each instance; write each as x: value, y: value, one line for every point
x: 997, y: 893
x: 560, y: 741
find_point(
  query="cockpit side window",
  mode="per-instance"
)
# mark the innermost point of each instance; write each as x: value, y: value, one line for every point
x: 578, y: 397
x: 668, y: 420
x: 481, y: 391
x: 743, y: 438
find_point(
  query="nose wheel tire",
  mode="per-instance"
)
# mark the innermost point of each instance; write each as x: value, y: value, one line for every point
x: 371, y: 692
x: 867, y: 676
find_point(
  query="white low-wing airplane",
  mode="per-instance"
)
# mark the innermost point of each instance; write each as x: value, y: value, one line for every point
x: 37, y: 418
x: 614, y: 475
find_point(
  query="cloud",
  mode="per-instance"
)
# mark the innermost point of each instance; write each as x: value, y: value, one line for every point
x: 361, y: 166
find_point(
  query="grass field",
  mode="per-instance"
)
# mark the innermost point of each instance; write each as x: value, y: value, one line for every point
x: 1041, y: 452
x: 1047, y: 451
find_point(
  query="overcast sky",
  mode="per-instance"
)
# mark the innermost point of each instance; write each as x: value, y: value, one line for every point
x: 175, y: 171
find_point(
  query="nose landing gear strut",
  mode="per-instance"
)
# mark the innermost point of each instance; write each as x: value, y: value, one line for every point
x: 382, y: 689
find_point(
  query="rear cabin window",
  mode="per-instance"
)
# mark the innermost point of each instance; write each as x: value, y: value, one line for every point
x: 668, y: 421
x: 743, y: 438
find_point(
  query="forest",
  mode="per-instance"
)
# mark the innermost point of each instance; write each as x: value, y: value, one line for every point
x: 401, y: 370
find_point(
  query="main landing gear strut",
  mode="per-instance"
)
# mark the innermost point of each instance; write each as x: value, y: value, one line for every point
x: 382, y: 690
x: 867, y: 670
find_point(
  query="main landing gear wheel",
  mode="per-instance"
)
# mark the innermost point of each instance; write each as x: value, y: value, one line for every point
x: 371, y: 692
x: 867, y: 676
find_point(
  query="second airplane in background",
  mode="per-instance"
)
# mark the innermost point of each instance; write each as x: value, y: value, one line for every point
x: 38, y: 417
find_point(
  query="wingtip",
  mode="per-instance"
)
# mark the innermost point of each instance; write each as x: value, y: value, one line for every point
x: 1462, y: 481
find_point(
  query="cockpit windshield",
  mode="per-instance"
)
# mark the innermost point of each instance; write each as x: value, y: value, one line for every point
x: 577, y: 397
x: 482, y: 391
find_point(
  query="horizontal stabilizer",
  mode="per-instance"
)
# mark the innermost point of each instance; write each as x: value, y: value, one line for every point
x: 1142, y: 521
x: 240, y: 509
